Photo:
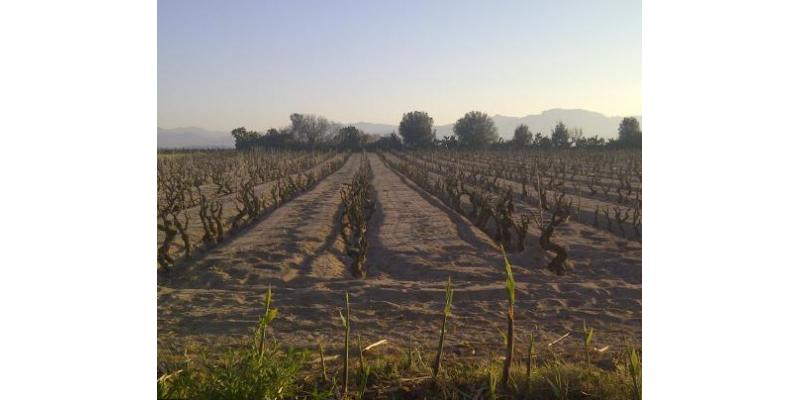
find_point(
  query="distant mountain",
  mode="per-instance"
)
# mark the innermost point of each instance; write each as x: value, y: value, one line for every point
x: 378, y: 129
x: 592, y: 123
x: 192, y: 137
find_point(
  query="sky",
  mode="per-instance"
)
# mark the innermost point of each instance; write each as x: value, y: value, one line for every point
x: 224, y: 64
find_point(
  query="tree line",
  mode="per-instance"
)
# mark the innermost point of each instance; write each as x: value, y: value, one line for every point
x: 308, y: 131
x: 474, y: 130
x: 477, y: 130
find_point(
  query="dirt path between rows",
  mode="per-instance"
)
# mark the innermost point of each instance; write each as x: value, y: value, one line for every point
x: 195, y: 228
x: 416, y: 243
x: 220, y: 295
x: 419, y: 242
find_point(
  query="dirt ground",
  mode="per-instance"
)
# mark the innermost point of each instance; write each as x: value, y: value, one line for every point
x: 416, y: 243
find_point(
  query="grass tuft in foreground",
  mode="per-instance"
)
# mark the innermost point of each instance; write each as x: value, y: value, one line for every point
x: 259, y: 369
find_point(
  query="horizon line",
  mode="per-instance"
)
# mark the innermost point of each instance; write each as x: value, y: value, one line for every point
x: 639, y: 116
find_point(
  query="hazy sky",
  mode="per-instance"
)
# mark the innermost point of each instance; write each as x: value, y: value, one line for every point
x: 223, y: 64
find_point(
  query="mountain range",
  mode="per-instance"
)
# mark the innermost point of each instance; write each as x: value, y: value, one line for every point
x: 592, y: 123
x: 193, y: 137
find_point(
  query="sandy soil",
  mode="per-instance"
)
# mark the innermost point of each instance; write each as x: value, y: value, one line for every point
x: 416, y: 243
x: 587, y: 205
x: 195, y: 227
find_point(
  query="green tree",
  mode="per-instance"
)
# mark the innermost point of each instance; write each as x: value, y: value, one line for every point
x: 522, y: 136
x: 630, y: 133
x: 350, y: 137
x: 244, y: 138
x: 416, y: 128
x: 275, y: 138
x: 475, y: 129
x: 560, y: 136
x: 391, y: 142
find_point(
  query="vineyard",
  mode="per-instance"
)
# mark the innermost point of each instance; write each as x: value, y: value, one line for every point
x: 389, y: 231
x: 203, y: 198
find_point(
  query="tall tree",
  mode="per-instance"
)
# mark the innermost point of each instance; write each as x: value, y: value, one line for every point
x: 350, y: 137
x: 244, y: 138
x: 630, y: 133
x: 475, y: 129
x: 522, y: 136
x: 309, y: 128
x: 560, y: 136
x: 416, y: 128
